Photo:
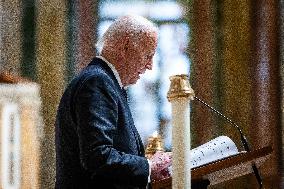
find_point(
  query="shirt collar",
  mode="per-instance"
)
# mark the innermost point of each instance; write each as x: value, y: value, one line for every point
x: 116, y: 74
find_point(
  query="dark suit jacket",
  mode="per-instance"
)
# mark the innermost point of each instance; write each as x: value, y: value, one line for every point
x: 97, y: 144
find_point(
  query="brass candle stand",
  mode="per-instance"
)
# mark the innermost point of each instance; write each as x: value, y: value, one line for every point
x: 155, y: 144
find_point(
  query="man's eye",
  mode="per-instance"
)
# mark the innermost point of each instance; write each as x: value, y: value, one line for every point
x: 149, y: 57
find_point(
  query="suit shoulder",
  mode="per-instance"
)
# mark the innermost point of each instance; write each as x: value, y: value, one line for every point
x: 97, y: 75
x: 92, y: 78
x: 92, y: 73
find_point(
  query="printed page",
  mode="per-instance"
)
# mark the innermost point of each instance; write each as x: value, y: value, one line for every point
x: 213, y: 150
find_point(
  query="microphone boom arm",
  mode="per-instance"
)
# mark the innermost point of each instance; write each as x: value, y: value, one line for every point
x: 243, y: 138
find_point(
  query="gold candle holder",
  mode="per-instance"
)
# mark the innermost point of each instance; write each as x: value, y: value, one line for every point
x: 154, y: 145
x: 180, y: 88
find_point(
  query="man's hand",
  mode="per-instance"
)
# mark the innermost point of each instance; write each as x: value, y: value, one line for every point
x: 160, y: 162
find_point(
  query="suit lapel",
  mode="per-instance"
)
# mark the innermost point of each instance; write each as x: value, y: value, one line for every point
x: 133, y: 128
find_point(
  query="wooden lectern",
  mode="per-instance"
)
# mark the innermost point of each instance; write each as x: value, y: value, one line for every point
x: 222, y: 170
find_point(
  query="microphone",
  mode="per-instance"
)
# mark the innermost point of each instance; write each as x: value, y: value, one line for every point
x: 243, y: 138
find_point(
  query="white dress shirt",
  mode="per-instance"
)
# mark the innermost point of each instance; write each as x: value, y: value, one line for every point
x: 116, y: 74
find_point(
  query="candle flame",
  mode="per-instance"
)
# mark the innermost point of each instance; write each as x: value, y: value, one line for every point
x: 155, y: 134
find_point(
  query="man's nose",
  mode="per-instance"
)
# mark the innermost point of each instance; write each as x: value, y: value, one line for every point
x: 149, y: 66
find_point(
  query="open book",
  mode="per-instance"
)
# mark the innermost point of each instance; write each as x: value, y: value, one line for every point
x: 216, y: 149
x: 213, y: 150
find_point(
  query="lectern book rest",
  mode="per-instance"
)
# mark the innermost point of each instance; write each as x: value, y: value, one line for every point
x: 217, y: 161
x: 211, y: 151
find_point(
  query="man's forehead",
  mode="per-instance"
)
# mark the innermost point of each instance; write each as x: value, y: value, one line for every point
x: 135, y: 21
x: 150, y: 40
x: 132, y: 25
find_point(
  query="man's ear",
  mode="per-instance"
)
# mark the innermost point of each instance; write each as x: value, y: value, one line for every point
x: 124, y: 49
x: 126, y: 45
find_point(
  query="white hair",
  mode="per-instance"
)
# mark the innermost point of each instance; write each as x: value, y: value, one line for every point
x: 133, y: 25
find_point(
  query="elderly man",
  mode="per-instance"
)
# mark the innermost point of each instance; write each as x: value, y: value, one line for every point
x: 97, y: 144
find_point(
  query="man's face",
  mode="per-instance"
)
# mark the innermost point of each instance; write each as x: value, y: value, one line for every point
x: 142, y: 59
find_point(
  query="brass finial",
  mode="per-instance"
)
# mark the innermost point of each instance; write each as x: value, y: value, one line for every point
x: 154, y: 144
x: 180, y: 87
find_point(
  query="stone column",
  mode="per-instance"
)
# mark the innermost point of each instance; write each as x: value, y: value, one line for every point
x: 202, y: 73
x: 180, y: 94
x: 266, y: 94
x: 235, y: 69
x: 234, y: 74
x: 51, y: 62
x: 281, y: 36
x: 28, y: 63
x: 86, y: 22
x: 10, y: 36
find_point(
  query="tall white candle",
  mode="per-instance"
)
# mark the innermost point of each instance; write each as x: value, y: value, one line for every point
x: 179, y: 95
x: 181, y: 144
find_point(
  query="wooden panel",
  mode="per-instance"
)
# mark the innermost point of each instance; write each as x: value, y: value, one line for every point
x: 12, y: 79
